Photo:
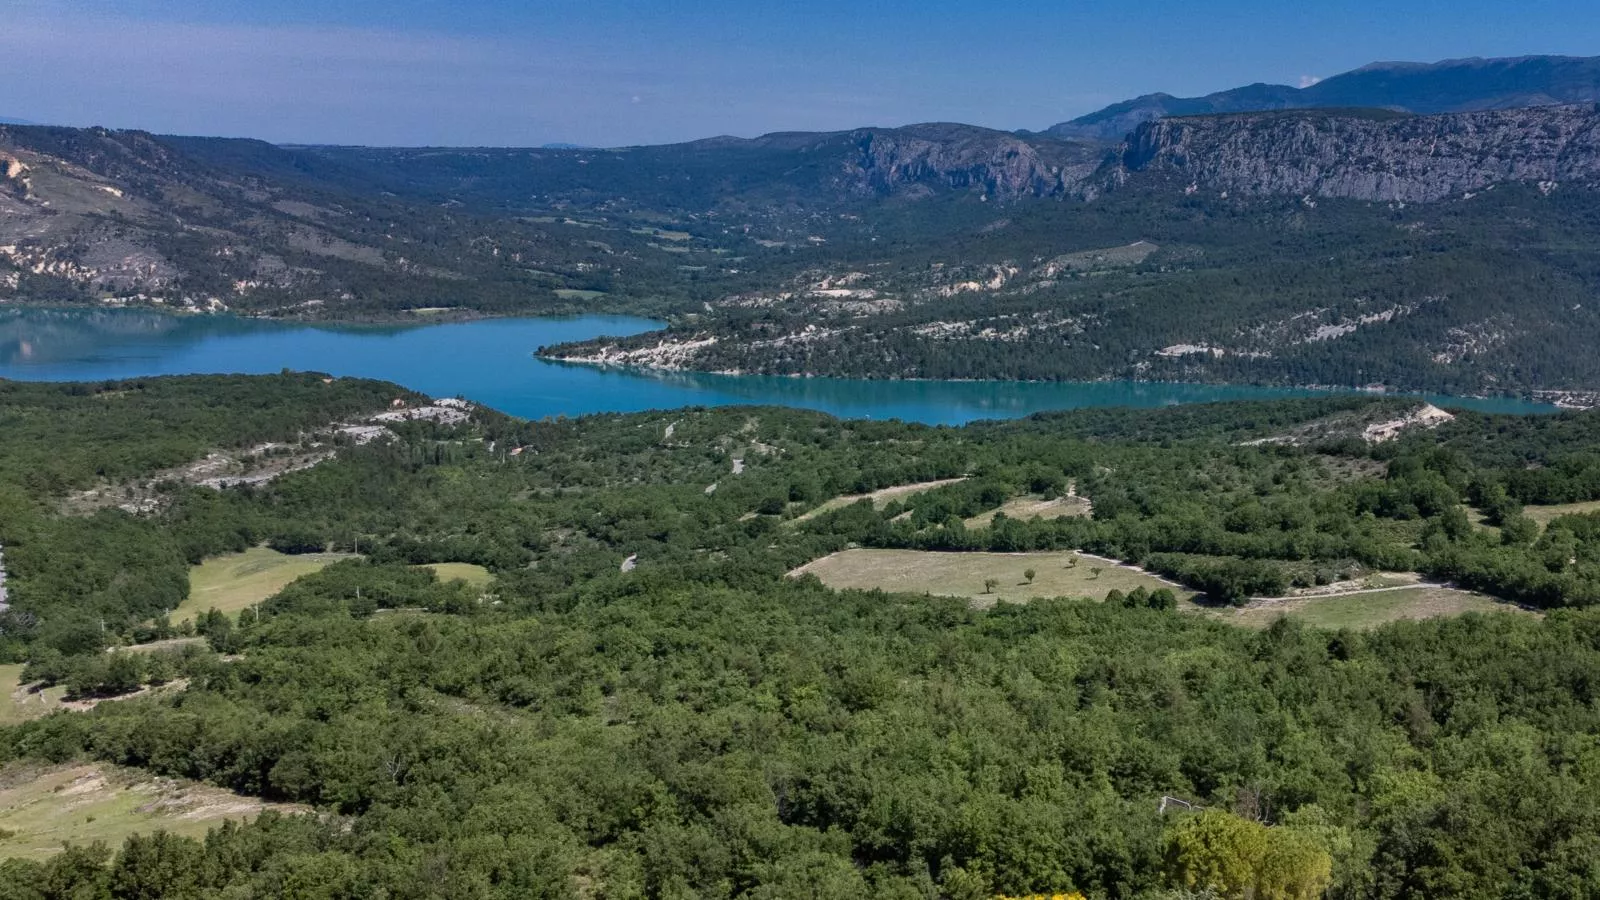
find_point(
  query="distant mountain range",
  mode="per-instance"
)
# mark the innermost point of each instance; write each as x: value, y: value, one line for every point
x: 9, y: 121
x: 1454, y: 85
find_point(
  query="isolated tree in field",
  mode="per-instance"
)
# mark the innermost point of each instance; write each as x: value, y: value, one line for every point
x: 1029, y: 574
x: 988, y: 585
x: 1072, y: 563
x: 1095, y: 571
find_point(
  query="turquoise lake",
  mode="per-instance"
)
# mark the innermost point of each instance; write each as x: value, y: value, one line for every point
x: 491, y: 361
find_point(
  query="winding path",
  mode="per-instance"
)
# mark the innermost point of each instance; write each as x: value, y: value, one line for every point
x: 2, y: 580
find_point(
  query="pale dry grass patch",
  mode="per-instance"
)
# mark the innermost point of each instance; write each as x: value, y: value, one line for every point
x: 1056, y: 574
x: 43, y: 807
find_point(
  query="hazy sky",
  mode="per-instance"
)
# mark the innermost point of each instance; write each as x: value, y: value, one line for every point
x: 613, y: 72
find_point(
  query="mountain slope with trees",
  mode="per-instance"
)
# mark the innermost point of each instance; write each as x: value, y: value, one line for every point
x: 702, y: 725
x: 1449, y: 252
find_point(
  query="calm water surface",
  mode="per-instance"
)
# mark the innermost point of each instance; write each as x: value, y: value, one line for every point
x: 491, y: 361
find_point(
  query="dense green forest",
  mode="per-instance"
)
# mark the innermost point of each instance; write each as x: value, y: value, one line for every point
x: 701, y: 725
x: 1137, y: 284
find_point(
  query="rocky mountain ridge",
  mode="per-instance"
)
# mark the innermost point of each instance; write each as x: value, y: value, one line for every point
x: 120, y: 217
x: 126, y: 217
x: 1370, y: 156
x: 774, y: 172
x: 959, y: 157
x: 1454, y: 85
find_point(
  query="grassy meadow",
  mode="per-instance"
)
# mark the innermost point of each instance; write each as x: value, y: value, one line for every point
x: 238, y: 581
x: 44, y: 807
x: 1056, y: 574
x: 1364, y: 610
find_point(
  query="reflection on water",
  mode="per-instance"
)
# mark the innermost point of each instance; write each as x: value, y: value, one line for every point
x: 939, y: 401
x: 41, y: 337
x: 491, y: 361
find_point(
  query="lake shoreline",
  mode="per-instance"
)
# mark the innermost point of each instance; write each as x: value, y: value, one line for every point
x: 494, y: 361
x: 1555, y: 400
x: 1545, y: 400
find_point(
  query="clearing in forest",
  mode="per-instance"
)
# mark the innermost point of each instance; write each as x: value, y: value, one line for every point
x: 42, y: 807
x: 1363, y: 609
x: 18, y: 704
x: 879, y: 498
x: 1056, y: 574
x: 238, y: 581
x: 1544, y: 515
x: 474, y: 575
x: 1032, y: 506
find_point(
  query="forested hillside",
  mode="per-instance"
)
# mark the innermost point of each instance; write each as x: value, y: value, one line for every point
x: 1489, y: 293
x: 644, y: 703
x: 115, y: 218
x: 1451, y: 253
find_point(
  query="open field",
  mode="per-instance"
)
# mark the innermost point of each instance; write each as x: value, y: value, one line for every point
x: 43, y: 807
x: 1034, y: 507
x: 664, y: 235
x: 240, y: 580
x: 1383, y: 597
x: 1367, y: 609
x: 474, y: 575
x: 575, y: 294
x: 1544, y: 515
x: 963, y: 574
x: 879, y: 498
x: 17, y: 705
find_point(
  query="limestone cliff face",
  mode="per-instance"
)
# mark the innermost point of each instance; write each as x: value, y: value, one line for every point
x: 1370, y: 156
x: 952, y: 156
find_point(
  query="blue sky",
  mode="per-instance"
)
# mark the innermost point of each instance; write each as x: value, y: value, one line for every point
x: 616, y: 72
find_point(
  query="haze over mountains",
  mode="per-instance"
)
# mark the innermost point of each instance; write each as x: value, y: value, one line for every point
x: 1456, y: 85
x: 1340, y: 245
